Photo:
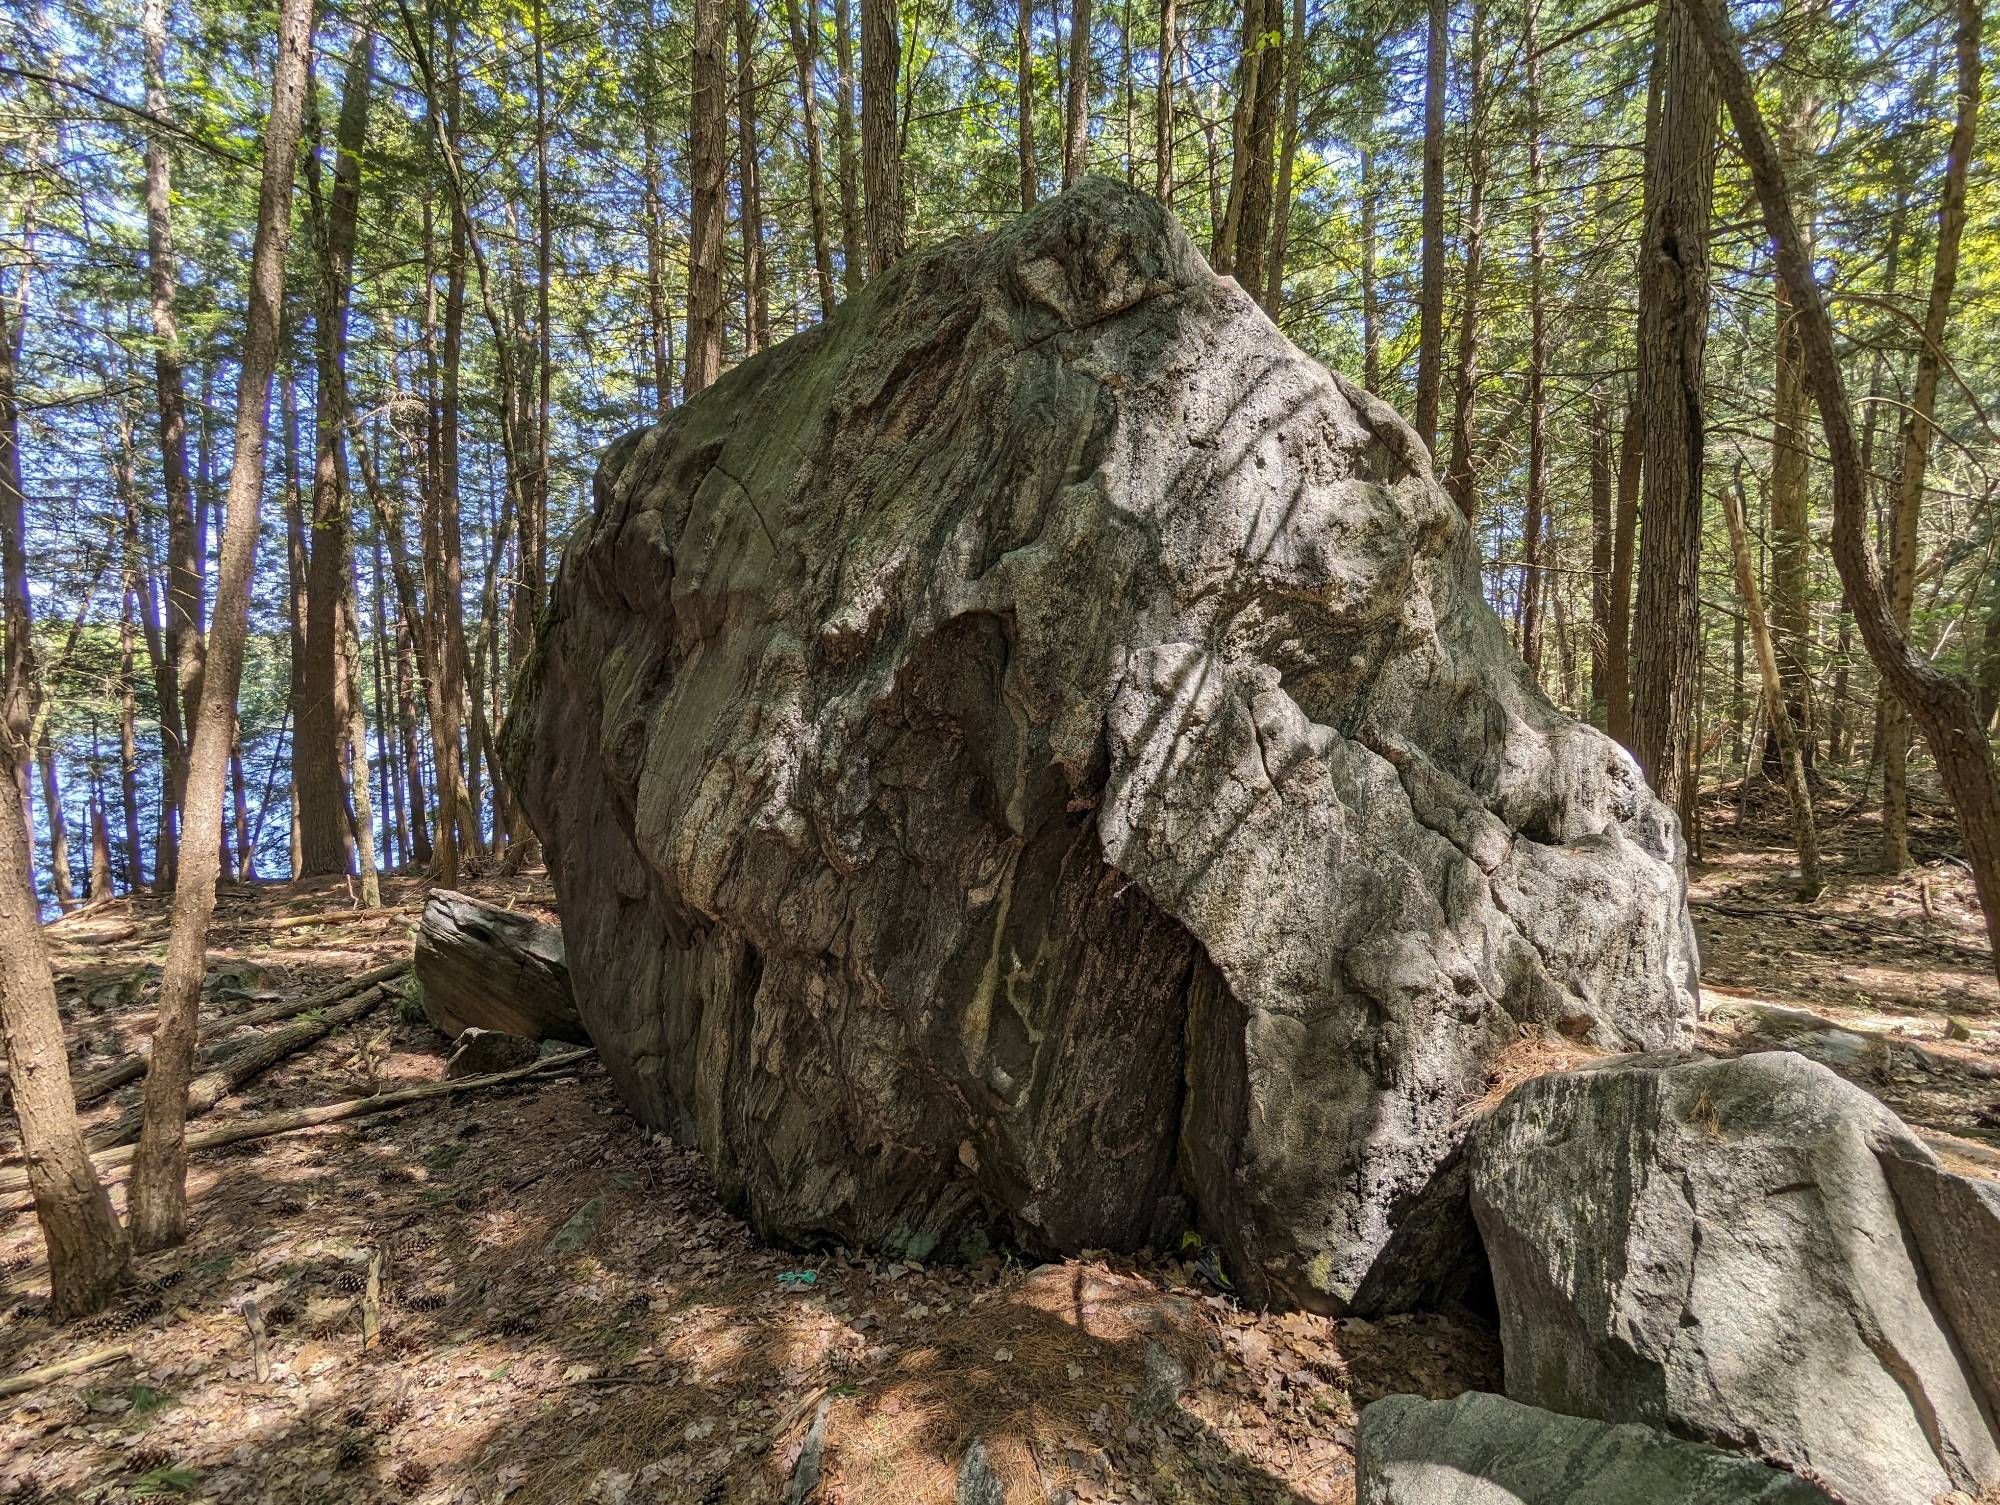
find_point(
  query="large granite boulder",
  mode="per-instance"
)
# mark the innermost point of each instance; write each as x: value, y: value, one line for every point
x: 1488, y: 1450
x: 1029, y: 761
x: 1751, y: 1252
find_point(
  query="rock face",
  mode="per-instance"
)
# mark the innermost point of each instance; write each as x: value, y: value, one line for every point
x: 480, y: 1052
x: 1751, y: 1252
x: 1029, y: 760
x: 1488, y: 1450
x: 483, y: 967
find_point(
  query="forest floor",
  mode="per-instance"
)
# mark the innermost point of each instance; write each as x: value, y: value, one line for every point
x: 567, y: 1314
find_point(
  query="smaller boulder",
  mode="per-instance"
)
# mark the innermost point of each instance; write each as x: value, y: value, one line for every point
x: 484, y: 967
x: 1751, y: 1252
x: 481, y: 1052
x: 1488, y: 1450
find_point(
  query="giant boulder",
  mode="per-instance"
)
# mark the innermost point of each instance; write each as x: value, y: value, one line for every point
x: 1029, y: 761
x: 1750, y: 1252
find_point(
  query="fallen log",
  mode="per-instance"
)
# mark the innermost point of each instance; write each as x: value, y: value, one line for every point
x: 213, y: 1085
x: 34, y: 1379
x: 488, y: 968
x: 102, y: 1083
x: 15, y: 1187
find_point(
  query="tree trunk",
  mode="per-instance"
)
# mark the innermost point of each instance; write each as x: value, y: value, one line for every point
x: 1538, y: 365
x: 1917, y: 427
x: 323, y: 715
x: 17, y: 610
x: 708, y: 197
x: 805, y: 50
x: 1673, y: 334
x: 1288, y: 150
x: 1803, y: 834
x: 1163, y: 105
x: 87, y: 1249
x: 853, y: 252
x: 357, y: 741
x: 158, y: 1195
x: 1460, y: 480
x: 756, y: 297
x: 1939, y: 703
x: 1371, y: 293
x: 128, y: 740
x: 881, y: 161
x: 1076, y: 109
x: 1430, y: 295
x: 183, y: 646
x: 1624, y: 542
x: 1600, y: 558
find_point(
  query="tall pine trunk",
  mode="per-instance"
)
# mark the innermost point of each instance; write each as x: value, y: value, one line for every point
x: 1917, y: 434
x: 1673, y: 337
x: 158, y: 1194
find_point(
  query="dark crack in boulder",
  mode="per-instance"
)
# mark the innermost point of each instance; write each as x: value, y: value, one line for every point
x: 1028, y: 761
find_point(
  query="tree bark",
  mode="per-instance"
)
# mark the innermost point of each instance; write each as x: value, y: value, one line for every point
x: 1941, y: 704
x: 1288, y: 150
x: 1076, y: 109
x: 1803, y: 834
x: 1163, y: 105
x: 756, y: 295
x: 87, y: 1249
x: 708, y: 195
x: 1371, y: 293
x: 1538, y: 362
x: 324, y: 713
x: 183, y: 644
x: 1600, y: 558
x: 1624, y: 541
x: 1024, y: 104
x: 1430, y: 295
x: 1673, y: 334
x: 853, y: 249
x: 1917, y: 429
x: 805, y: 52
x: 881, y: 158
x: 159, y: 1190
x: 1460, y: 480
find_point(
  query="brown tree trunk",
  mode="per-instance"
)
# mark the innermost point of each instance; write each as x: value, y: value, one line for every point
x: 1430, y: 295
x: 1163, y: 104
x: 1624, y: 541
x: 1941, y: 704
x: 805, y: 52
x: 1804, y: 836
x: 158, y: 1196
x: 853, y: 250
x: 881, y: 159
x: 17, y: 610
x: 1600, y: 558
x: 183, y: 643
x: 1076, y: 109
x: 756, y: 296
x: 1371, y: 293
x: 1460, y: 479
x: 1243, y: 239
x: 1673, y: 335
x: 88, y: 1256
x: 1917, y: 428
x: 708, y: 197
x: 1288, y: 150
x: 323, y: 714
x: 1538, y: 365
x: 128, y: 741
x: 1024, y: 104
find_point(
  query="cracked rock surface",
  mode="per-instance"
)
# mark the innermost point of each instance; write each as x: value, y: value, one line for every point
x: 1750, y: 1252
x: 1028, y: 762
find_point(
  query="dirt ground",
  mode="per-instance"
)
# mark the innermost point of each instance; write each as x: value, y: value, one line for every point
x: 566, y: 1314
